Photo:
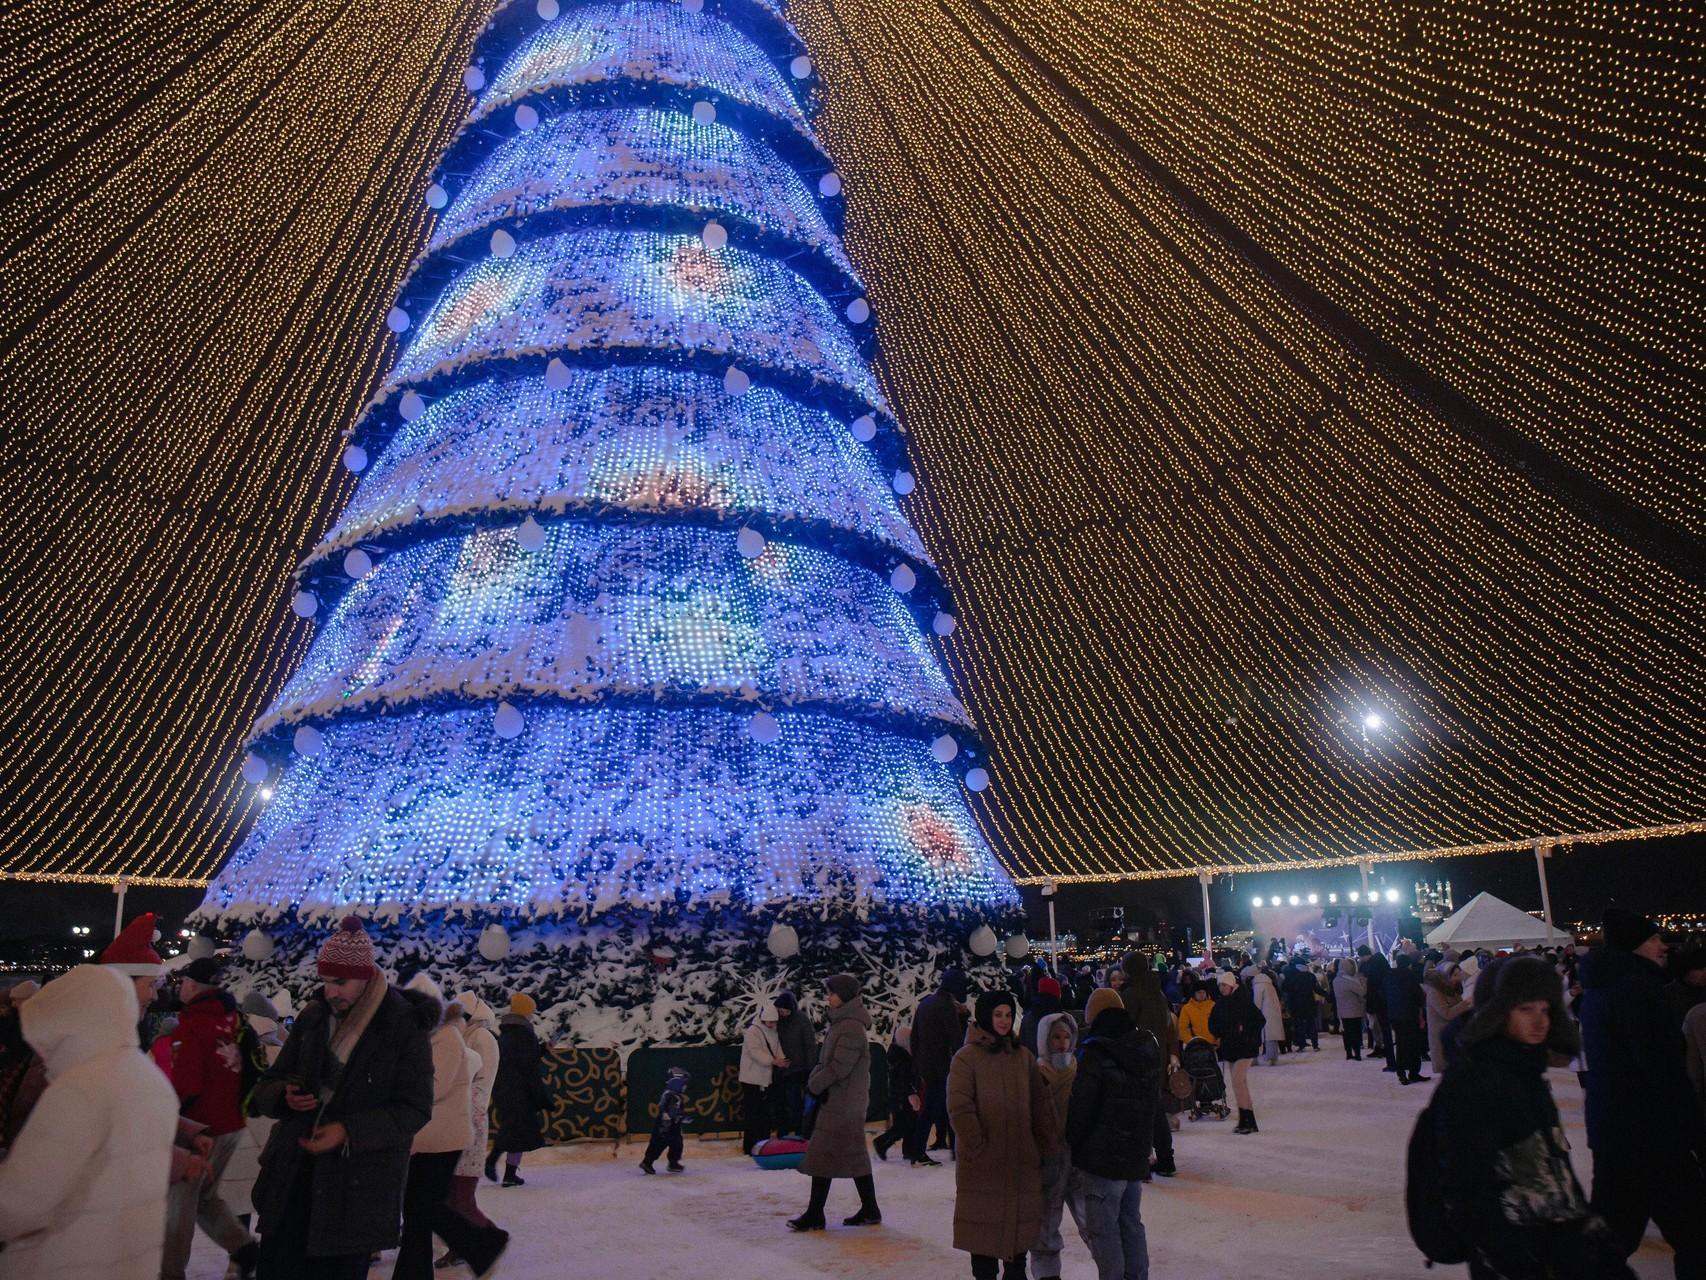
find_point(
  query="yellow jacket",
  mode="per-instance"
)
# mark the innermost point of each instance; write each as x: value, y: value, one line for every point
x: 1193, y: 1021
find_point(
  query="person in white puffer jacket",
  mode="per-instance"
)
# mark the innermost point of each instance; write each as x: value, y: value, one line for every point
x: 83, y: 1190
x: 479, y: 1027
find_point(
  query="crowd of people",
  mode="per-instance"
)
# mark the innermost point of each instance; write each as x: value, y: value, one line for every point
x: 1054, y: 1094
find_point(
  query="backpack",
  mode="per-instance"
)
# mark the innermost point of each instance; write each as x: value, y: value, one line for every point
x: 1424, y: 1197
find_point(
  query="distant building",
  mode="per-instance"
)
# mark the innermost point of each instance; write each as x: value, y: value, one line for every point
x: 1433, y: 902
x: 1107, y: 924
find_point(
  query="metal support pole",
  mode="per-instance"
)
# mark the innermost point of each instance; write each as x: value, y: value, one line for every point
x: 1049, y: 891
x: 1541, y: 853
x: 1368, y: 867
x: 1203, y: 877
x: 119, y: 888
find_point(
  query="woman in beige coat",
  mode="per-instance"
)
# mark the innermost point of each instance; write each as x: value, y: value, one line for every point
x: 841, y: 1086
x: 1004, y: 1129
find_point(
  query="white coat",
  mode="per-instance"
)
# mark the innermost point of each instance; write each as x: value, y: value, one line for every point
x: 1266, y: 997
x: 478, y: 1035
x: 453, y: 1065
x: 83, y: 1192
x: 759, y: 1048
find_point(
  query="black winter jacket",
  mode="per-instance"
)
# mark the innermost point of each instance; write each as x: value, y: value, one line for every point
x: 382, y: 1098
x: 798, y: 1039
x: 1638, y: 1095
x: 1111, y: 1113
x: 518, y: 1093
x: 1375, y: 969
x: 901, y: 1083
x: 1300, y: 990
x: 1404, y: 996
x: 1510, y: 1191
x: 938, y: 1032
x: 1237, y: 1024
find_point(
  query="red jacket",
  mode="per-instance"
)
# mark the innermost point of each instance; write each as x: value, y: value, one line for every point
x: 207, y: 1070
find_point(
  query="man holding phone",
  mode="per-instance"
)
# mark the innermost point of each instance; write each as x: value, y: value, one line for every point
x: 350, y: 1088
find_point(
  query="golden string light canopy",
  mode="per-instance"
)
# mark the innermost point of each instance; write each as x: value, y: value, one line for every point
x: 1302, y: 399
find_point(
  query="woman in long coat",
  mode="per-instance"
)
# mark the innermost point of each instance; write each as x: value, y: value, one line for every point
x: 518, y: 1094
x: 1003, y: 1118
x: 1265, y: 996
x: 841, y: 1085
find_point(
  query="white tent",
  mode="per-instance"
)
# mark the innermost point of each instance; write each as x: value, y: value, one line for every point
x: 1486, y: 921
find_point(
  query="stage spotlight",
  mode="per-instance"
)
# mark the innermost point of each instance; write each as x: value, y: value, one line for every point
x: 1273, y: 902
x: 1292, y: 899
x: 1314, y: 898
x: 1356, y: 895
x: 1256, y: 901
x: 1392, y: 895
x: 1333, y: 898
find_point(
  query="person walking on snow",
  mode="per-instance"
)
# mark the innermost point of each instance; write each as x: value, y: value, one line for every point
x: 478, y: 1028
x: 840, y: 1083
x: 1265, y: 996
x: 1147, y: 1005
x: 1057, y: 1046
x: 1004, y: 1133
x: 938, y: 1031
x: 83, y: 1190
x: 207, y: 1073
x: 1109, y: 1122
x: 668, y: 1124
x: 518, y: 1094
x: 350, y: 1089
x: 1646, y: 1135
x: 904, y: 1102
x: 760, y: 1058
x: 1404, y: 1014
x: 1510, y: 1193
x: 1444, y: 995
x: 1238, y: 1027
x: 1350, y: 998
x: 438, y: 1147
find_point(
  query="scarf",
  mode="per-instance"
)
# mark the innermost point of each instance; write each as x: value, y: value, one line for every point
x: 352, y: 1024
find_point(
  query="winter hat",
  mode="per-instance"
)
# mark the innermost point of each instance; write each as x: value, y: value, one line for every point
x: 1227, y: 981
x: 767, y: 1011
x: 1045, y: 1029
x: 844, y: 985
x: 954, y: 982
x: 348, y: 953
x: 786, y: 1000
x: 676, y: 1081
x: 132, y: 952
x: 206, y: 970
x: 1624, y: 930
x: 1515, y: 980
x: 255, y: 1005
x: 1471, y: 966
x: 422, y: 985
x: 1101, y: 1000
x: 523, y: 1005
x: 1048, y: 987
x: 983, y: 1013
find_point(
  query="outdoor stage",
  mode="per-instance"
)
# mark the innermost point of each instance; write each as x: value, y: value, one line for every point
x: 1317, y: 1193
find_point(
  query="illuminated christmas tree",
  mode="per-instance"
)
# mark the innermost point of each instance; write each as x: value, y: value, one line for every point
x: 623, y: 622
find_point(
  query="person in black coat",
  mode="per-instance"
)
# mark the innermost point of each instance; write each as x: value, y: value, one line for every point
x: 938, y: 1033
x: 1643, y: 1128
x: 518, y: 1094
x: 1374, y: 967
x: 798, y: 1038
x: 1110, y: 1118
x: 902, y: 1113
x: 1404, y: 1000
x: 1238, y: 1026
x: 1510, y: 1193
x: 350, y: 1088
x: 1300, y: 992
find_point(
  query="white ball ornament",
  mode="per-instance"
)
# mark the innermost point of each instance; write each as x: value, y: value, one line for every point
x: 982, y: 941
x: 494, y: 943
x: 943, y: 623
x: 437, y: 197
x: 750, y: 544
x: 355, y: 459
x: 1018, y: 947
x: 903, y: 579
x: 864, y: 428
x: 977, y: 779
x: 411, y: 405
x: 858, y: 311
x: 704, y: 113
x: 257, y: 945
x: 507, y: 721
x: 548, y: 9
x: 254, y: 769
x: 800, y: 67
x: 829, y: 185
x: 944, y: 748
x: 530, y: 534
x: 473, y: 79
x: 784, y: 941
x: 556, y: 374
x: 736, y: 381
x: 503, y: 244
x: 904, y: 482
x: 763, y: 727
x: 357, y: 563
x: 308, y: 741
x: 526, y: 117
x: 397, y: 320
x: 304, y: 604
x: 200, y: 947
x: 714, y: 236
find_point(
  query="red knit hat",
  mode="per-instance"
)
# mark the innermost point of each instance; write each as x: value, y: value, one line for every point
x: 1048, y: 987
x: 348, y: 953
x: 132, y: 952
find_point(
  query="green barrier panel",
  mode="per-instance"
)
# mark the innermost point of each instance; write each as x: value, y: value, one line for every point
x: 589, y: 1099
x: 713, y: 1093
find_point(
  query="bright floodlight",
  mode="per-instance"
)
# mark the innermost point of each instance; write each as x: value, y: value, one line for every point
x: 1273, y: 902
x: 1314, y: 898
x: 1392, y: 895
x: 1372, y: 720
x: 1256, y: 901
x: 1292, y: 899
x: 1332, y: 897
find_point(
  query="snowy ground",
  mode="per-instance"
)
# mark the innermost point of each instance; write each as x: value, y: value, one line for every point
x: 1317, y: 1193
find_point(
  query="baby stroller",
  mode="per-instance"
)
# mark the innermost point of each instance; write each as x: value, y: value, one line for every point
x: 1208, y: 1095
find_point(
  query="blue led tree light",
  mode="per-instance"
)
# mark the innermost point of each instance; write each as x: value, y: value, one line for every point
x: 624, y: 615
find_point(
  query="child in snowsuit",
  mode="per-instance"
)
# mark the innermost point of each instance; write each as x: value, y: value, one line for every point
x: 666, y: 1129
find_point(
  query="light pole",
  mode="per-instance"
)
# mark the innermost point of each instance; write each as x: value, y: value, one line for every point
x: 1049, y: 888
x: 1203, y: 878
x: 119, y: 887
x: 1542, y: 852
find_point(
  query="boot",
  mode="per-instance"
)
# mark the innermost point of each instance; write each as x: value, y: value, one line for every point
x: 1246, y: 1121
x: 881, y: 1147
x: 806, y: 1222
x: 512, y: 1178
x: 1165, y: 1167
x: 492, y: 1167
x: 247, y: 1260
x: 864, y: 1218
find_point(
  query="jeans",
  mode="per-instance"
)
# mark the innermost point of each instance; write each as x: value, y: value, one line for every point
x: 1352, y: 1029
x: 1305, y: 1029
x: 1045, y: 1255
x: 1110, y: 1220
x: 191, y: 1204
x: 935, y: 1111
x: 662, y: 1138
